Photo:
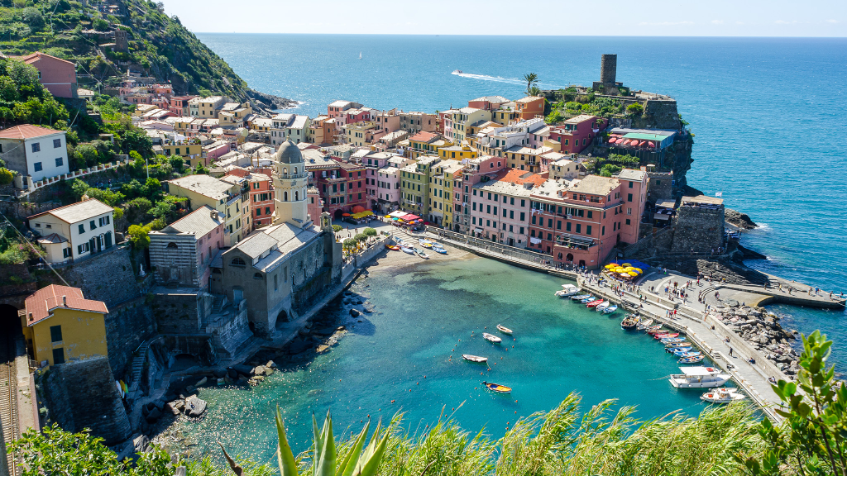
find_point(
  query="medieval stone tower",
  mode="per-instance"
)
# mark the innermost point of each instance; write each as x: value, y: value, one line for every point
x: 608, y: 69
x: 290, y: 186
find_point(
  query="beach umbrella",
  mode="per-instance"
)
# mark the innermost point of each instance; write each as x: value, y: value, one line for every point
x: 625, y: 275
x: 610, y: 266
x: 637, y: 270
x: 627, y: 264
x: 345, y: 215
x: 389, y: 217
x: 632, y: 274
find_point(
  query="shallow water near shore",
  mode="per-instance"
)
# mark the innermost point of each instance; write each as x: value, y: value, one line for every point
x: 420, y: 315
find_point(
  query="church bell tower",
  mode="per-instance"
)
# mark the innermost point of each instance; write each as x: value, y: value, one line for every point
x: 290, y: 186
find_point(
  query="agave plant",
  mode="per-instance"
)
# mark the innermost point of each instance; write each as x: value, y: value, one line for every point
x: 324, y: 454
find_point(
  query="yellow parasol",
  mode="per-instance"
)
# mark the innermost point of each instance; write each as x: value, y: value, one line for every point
x: 637, y: 270
x: 610, y: 266
x: 632, y: 274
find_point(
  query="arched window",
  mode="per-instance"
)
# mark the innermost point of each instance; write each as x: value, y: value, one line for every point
x: 285, y: 170
x: 285, y: 196
x: 295, y: 171
x: 172, y: 245
x: 257, y: 276
x: 238, y: 262
x: 296, y: 195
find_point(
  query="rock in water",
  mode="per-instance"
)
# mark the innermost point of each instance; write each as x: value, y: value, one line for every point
x: 194, y: 406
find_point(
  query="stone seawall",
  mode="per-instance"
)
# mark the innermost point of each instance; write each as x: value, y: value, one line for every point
x: 127, y: 326
x: 698, y: 229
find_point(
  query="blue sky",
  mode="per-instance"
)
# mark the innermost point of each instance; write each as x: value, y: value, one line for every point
x: 826, y: 18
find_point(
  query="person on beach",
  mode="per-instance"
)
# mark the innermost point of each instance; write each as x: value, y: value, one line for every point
x: 730, y: 353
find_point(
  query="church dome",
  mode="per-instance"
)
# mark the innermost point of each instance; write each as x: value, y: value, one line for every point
x: 288, y: 153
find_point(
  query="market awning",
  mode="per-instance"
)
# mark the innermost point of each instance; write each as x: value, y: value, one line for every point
x: 478, y: 230
x: 359, y: 215
x: 398, y: 213
x: 410, y: 217
x: 534, y: 240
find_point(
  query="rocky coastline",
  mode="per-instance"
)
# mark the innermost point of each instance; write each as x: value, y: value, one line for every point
x: 268, y: 103
x: 761, y: 330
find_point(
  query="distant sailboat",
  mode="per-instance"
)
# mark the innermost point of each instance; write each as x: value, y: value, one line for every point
x: 360, y: 55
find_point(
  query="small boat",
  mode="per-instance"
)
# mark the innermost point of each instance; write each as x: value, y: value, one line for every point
x: 491, y: 338
x: 503, y: 329
x: 679, y: 351
x: 567, y: 290
x: 610, y: 309
x: 644, y: 324
x: 723, y: 396
x: 439, y: 250
x: 603, y: 306
x: 474, y: 359
x: 678, y: 344
x: 421, y: 254
x: 425, y: 243
x: 579, y: 297
x: 691, y: 359
x: 588, y: 300
x: 654, y: 330
x: 699, y: 377
x: 672, y: 340
x: 497, y: 388
x: 659, y: 336
x: 392, y: 247
x: 457, y: 72
x: 407, y: 249
x: 688, y: 354
x: 360, y: 55
x: 629, y: 323
x: 592, y: 304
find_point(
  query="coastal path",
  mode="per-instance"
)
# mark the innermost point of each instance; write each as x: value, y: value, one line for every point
x: 692, y: 320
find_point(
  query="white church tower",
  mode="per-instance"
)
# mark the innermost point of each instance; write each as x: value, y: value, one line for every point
x: 290, y: 185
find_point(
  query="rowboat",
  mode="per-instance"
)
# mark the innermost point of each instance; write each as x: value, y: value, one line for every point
x: 659, y: 336
x: 654, y: 330
x: 425, y: 243
x: 407, y: 249
x: 588, y: 300
x: 643, y: 325
x: 679, y: 351
x: 491, y: 338
x: 474, y: 359
x: 579, y: 297
x: 497, y: 388
x: 439, y: 250
x: 691, y: 359
x: 688, y: 354
x: 603, y: 306
x: 421, y: 254
x: 723, y: 395
x: 392, y: 247
x: 610, y: 309
x: 673, y: 340
x: 678, y: 344
x: 629, y: 323
x: 503, y: 329
x: 592, y: 304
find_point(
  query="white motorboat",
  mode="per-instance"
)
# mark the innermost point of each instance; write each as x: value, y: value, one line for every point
x: 567, y: 290
x: 643, y: 325
x: 495, y: 339
x: 699, y: 377
x: 457, y: 72
x: 610, y: 309
x: 603, y: 306
x: 723, y: 396
x: 503, y: 329
x: 474, y: 359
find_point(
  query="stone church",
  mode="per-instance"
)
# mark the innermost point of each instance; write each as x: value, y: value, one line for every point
x: 281, y: 269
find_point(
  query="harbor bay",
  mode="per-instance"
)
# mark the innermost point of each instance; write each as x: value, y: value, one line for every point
x: 408, y: 350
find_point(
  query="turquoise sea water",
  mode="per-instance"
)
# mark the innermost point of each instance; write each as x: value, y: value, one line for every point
x: 768, y: 115
x: 423, y: 315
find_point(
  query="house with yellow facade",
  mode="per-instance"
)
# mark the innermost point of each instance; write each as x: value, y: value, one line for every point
x: 441, y: 185
x: 457, y: 152
x: 224, y: 197
x: 426, y: 144
x: 191, y: 153
x: 61, y: 325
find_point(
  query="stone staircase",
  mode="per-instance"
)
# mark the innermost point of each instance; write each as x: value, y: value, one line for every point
x: 138, y: 366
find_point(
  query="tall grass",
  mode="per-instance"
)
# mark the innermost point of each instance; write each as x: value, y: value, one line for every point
x: 565, y: 442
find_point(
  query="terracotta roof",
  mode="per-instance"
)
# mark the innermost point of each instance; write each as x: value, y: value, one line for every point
x: 521, y: 177
x: 41, y: 304
x: 423, y: 136
x: 30, y: 58
x: 26, y: 131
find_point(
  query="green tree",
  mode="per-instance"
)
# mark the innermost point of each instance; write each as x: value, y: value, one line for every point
x: 25, y: 77
x: 8, y: 89
x: 534, y: 91
x: 337, y: 228
x: 54, y: 451
x: 813, y: 439
x: 6, y: 176
x: 138, y: 236
x: 100, y: 24
x: 119, y: 213
x: 635, y: 109
x: 554, y: 117
x: 369, y: 232
x: 177, y: 163
x: 33, y: 18
x: 360, y: 237
x: 531, y: 79
x: 152, y: 189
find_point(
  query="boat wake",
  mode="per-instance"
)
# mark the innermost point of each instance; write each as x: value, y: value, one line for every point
x: 496, y: 79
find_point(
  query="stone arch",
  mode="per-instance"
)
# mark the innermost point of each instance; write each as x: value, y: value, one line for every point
x: 570, y: 257
x: 282, y: 317
x: 258, y: 276
x: 338, y: 214
x: 172, y: 245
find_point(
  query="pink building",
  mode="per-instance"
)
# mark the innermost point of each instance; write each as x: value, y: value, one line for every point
x: 314, y: 205
x: 477, y: 170
x: 576, y: 133
x: 488, y: 103
x: 179, y: 105
x: 580, y: 222
x: 182, y: 252
x: 217, y: 149
x: 500, y: 208
x: 336, y: 108
x: 57, y: 75
x: 388, y: 188
x: 374, y: 162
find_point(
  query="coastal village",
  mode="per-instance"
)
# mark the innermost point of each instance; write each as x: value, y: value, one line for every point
x: 268, y: 217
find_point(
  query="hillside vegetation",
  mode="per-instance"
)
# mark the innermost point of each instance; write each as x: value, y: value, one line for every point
x: 159, y: 45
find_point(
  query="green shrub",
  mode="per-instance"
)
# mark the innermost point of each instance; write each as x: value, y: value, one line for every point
x: 337, y: 228
x: 138, y: 236
x: 6, y: 176
x: 360, y: 237
x: 369, y: 232
x: 635, y: 109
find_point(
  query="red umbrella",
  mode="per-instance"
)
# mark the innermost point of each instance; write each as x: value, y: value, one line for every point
x: 345, y: 215
x: 358, y: 209
x: 651, y: 144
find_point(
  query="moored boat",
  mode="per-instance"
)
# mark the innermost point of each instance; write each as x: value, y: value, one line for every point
x: 644, y: 324
x: 567, y: 290
x: 659, y: 336
x: 592, y: 304
x: 491, y: 338
x: 654, y: 330
x: 497, y: 388
x: 603, y: 306
x: 691, y: 359
x: 678, y: 344
x: 688, y: 354
x: 439, y: 250
x: 579, y: 297
x: 407, y: 249
x: 503, y: 329
x: 474, y: 359
x: 679, y: 351
x: 699, y: 377
x: 723, y: 395
x: 629, y: 323
x: 610, y: 309
x: 588, y: 300
x: 421, y: 254
x: 425, y: 243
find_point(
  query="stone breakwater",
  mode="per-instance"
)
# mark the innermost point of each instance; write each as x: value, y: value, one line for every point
x: 762, y: 331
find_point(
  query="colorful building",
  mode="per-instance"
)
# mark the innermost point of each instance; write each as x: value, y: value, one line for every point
x: 34, y: 152
x: 414, y: 185
x: 55, y: 74
x: 476, y: 170
x: 500, y: 208
x: 577, y: 133
x: 181, y: 253
x: 224, y: 197
x: 441, y: 187
x: 75, y: 231
x: 530, y: 107
x: 457, y: 152
x: 61, y: 325
x: 425, y: 143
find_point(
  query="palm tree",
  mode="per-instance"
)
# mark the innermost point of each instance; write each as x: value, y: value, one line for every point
x: 531, y: 79
x: 534, y: 91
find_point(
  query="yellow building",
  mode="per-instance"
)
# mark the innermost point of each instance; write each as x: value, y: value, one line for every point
x: 359, y: 134
x: 60, y: 325
x: 441, y: 192
x: 192, y: 153
x: 457, y: 152
x: 224, y: 197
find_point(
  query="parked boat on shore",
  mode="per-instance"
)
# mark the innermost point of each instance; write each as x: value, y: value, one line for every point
x: 407, y: 249
x: 491, y: 338
x: 474, y: 359
x: 439, y: 250
x: 421, y: 254
x: 497, y: 388
x: 391, y: 247
x: 503, y: 329
x: 699, y: 377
